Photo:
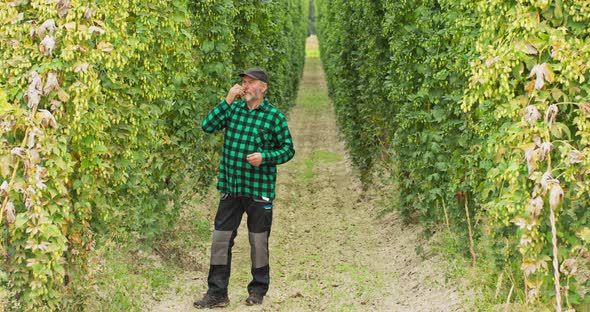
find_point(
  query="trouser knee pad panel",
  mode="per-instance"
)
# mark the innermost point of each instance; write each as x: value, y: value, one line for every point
x: 220, y: 247
x: 258, y: 249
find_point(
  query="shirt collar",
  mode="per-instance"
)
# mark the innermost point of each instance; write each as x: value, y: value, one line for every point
x: 262, y: 107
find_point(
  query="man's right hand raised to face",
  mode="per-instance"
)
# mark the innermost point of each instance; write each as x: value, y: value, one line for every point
x: 234, y: 92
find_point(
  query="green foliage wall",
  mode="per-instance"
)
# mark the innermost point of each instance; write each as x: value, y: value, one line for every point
x: 100, y: 122
x: 455, y: 93
x: 354, y: 53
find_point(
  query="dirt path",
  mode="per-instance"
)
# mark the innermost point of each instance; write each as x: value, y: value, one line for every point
x: 329, y: 252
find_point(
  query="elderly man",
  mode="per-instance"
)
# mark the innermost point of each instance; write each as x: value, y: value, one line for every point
x: 257, y: 139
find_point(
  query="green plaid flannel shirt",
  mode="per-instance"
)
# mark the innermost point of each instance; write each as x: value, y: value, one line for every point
x: 247, y: 131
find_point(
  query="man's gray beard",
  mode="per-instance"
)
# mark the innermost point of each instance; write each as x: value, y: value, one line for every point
x: 250, y: 97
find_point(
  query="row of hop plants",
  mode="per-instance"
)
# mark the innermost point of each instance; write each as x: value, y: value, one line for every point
x: 100, y: 106
x: 483, y: 109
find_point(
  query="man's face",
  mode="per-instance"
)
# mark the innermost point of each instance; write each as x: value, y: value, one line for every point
x: 254, y: 89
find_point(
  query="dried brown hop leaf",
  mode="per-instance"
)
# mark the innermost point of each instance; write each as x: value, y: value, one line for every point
x: 17, y: 151
x: 33, y: 136
x: 10, y: 213
x: 29, y: 203
x: 105, y: 47
x: 531, y: 114
x: 568, y: 267
x: 537, y: 141
x: 63, y: 6
x: 40, y: 174
x: 35, y: 80
x: 542, y: 73
x: 96, y: 30
x: 530, y: 267
x: 51, y: 83
x: 87, y: 12
x: 545, y: 149
x: 34, y: 156
x: 551, y: 114
x: 81, y: 67
x: 555, y: 196
x: 575, y: 157
x: 6, y: 126
x: 55, y: 104
x: 525, y: 240
x: 531, y: 159
x: 530, y: 49
x: 493, y: 61
x: 33, y: 99
x: 47, y: 46
x: 80, y: 48
x: 31, y: 244
x: 40, y: 185
x: 524, y: 223
x: 546, y: 181
x: 535, y: 206
x: 532, y: 293
x: 47, y: 27
x: 4, y: 189
x: 46, y: 118
x: 34, y: 90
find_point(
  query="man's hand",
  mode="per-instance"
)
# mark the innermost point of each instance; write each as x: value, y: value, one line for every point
x: 255, y: 159
x: 234, y: 92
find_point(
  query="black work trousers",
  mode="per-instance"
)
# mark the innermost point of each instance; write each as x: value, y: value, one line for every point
x: 227, y: 220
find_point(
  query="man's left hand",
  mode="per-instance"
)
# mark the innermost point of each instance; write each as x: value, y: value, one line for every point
x: 255, y: 159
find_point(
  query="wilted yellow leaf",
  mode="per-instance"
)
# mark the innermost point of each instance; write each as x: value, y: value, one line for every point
x: 584, y: 234
x: 529, y: 267
x: 529, y: 86
x: 81, y: 67
x: 525, y: 240
x: 493, y: 61
x: 529, y: 49
x: 105, y: 46
x: 69, y: 26
x: 96, y: 30
x: 5, y: 165
x: 13, y: 19
x: 63, y: 95
x: 531, y: 159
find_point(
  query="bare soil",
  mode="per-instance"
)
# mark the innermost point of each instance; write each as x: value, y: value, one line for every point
x: 330, y: 250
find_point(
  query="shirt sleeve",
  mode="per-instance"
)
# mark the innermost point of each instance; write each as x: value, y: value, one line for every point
x: 285, y: 150
x: 216, y: 119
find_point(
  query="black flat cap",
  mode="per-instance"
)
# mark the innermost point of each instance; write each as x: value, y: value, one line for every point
x: 255, y: 73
